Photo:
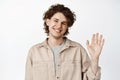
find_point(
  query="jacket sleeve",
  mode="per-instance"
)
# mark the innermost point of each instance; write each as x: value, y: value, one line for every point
x: 28, y: 71
x: 87, y: 72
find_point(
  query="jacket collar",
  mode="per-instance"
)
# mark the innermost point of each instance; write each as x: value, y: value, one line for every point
x: 68, y: 43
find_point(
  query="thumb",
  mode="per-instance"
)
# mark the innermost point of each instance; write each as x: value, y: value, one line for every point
x: 87, y: 43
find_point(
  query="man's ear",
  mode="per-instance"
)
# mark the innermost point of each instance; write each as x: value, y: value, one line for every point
x: 47, y: 22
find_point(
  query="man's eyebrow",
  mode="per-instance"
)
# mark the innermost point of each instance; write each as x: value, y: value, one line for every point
x: 56, y: 18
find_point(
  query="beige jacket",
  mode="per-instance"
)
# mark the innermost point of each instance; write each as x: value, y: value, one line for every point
x: 73, y: 63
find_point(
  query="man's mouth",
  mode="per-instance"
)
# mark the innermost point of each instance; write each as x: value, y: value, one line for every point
x: 58, y: 30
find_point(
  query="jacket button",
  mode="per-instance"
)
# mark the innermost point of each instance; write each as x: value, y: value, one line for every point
x: 58, y: 77
x: 58, y: 65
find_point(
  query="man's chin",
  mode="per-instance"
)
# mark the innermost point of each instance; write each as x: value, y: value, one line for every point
x: 57, y: 37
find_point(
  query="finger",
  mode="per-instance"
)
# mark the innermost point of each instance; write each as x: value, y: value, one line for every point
x: 100, y: 40
x: 93, y: 39
x: 96, y: 38
x: 87, y: 43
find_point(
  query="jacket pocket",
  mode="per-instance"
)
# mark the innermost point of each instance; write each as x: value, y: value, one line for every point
x: 71, y: 69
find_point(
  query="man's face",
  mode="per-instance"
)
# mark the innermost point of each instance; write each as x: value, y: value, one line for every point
x: 57, y: 25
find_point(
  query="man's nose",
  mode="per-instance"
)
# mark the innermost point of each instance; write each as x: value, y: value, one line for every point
x: 59, y: 25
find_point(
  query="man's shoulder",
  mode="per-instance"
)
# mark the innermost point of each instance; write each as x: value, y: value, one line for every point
x: 75, y: 43
x: 37, y: 45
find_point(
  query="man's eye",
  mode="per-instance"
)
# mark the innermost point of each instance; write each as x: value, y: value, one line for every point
x: 64, y: 23
x: 55, y: 20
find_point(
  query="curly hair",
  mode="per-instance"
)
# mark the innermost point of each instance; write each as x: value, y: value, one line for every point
x: 70, y: 16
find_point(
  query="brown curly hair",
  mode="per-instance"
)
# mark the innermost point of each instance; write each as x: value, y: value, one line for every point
x: 70, y: 16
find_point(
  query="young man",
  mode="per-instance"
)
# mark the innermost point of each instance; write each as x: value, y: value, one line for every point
x: 58, y: 58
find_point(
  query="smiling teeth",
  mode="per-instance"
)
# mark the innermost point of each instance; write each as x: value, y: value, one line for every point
x: 58, y: 30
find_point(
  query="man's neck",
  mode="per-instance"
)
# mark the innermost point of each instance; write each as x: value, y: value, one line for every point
x: 52, y: 42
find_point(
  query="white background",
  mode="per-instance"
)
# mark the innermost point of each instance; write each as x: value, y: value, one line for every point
x: 21, y: 26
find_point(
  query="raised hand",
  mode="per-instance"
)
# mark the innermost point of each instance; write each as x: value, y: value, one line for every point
x: 96, y: 45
